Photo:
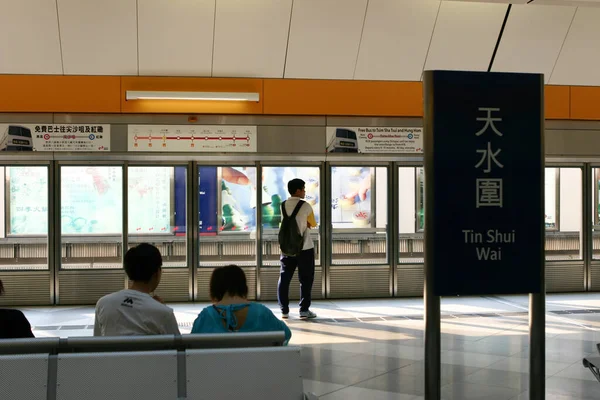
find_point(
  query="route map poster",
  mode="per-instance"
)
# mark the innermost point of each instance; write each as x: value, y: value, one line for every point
x: 191, y: 138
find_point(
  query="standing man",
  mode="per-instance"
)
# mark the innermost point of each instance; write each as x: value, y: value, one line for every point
x: 297, y: 249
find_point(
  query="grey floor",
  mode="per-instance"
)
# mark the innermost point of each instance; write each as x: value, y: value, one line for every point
x: 373, y: 349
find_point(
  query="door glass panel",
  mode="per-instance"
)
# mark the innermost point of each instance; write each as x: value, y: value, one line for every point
x: 563, y: 213
x: 227, y: 216
x: 359, y: 202
x: 275, y: 180
x: 24, y: 220
x: 91, y: 199
x: 596, y: 213
x: 411, y: 215
x: 156, y: 198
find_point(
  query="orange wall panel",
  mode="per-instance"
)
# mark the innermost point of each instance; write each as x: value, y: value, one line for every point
x: 585, y: 101
x: 557, y: 102
x: 327, y: 97
x: 57, y: 93
x: 192, y: 85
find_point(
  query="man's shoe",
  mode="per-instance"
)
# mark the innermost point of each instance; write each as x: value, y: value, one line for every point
x: 285, y: 316
x: 307, y: 314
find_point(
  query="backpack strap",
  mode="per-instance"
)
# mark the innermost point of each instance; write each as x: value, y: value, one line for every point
x: 296, y: 209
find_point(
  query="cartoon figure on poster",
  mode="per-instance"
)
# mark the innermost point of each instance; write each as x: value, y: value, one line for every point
x: 351, y: 197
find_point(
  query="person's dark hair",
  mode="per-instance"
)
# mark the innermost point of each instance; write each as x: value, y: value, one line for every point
x: 1, y: 287
x: 142, y: 262
x: 294, y: 185
x: 228, y: 280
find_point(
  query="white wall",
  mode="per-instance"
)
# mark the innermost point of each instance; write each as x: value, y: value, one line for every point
x: 407, y: 187
x: 570, y: 200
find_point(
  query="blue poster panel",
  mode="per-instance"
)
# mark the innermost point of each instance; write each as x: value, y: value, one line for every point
x: 484, y: 166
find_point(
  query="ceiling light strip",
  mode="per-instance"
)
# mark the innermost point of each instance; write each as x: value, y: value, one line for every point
x: 205, y: 96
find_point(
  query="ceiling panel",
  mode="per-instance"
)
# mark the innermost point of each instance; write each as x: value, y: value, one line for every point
x: 324, y: 38
x: 532, y: 39
x: 580, y: 56
x: 98, y: 37
x: 29, y: 42
x: 572, y: 3
x: 465, y: 36
x: 176, y: 37
x: 395, y: 39
x: 251, y: 38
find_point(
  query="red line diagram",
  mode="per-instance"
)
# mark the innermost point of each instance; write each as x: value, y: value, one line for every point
x: 163, y: 139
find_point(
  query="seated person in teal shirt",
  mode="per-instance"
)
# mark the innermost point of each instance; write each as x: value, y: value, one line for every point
x: 231, y: 311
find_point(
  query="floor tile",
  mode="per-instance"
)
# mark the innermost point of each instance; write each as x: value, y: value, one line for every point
x: 469, y: 391
x: 509, y: 379
x: 318, y: 356
x: 320, y: 388
x: 578, y: 371
x: 337, y: 374
x: 554, y: 396
x: 469, y: 359
x: 518, y: 364
x: 357, y: 393
x: 449, y: 373
x: 573, y: 387
x: 373, y: 362
x: 397, y: 383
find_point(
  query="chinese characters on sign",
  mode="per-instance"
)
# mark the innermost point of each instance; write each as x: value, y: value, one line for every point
x: 484, y: 175
x: 489, y: 190
x: 54, y: 137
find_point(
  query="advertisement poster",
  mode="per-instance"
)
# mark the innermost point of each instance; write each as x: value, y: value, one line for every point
x: 191, y: 138
x: 238, y: 199
x: 351, y: 197
x: 275, y: 180
x: 374, y: 140
x: 551, y: 175
x: 91, y: 200
x: 149, y: 197
x: 54, y: 137
x: 235, y: 209
x: 28, y: 200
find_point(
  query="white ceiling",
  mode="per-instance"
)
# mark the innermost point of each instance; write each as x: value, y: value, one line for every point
x: 320, y: 39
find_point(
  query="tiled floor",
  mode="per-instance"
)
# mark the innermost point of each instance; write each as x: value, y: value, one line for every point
x: 373, y: 349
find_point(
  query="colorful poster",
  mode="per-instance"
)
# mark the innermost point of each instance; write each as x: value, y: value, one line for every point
x: 149, y: 198
x: 191, y: 138
x: 54, y: 137
x: 91, y: 200
x: 351, y: 197
x: 238, y: 199
x: 374, y: 140
x: 275, y: 180
x: 28, y: 200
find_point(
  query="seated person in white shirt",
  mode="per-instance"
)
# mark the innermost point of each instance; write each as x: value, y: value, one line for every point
x: 134, y: 311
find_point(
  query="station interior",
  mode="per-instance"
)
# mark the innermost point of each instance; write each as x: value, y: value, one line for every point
x: 68, y: 217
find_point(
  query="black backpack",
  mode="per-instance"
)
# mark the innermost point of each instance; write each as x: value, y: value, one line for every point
x: 290, y: 239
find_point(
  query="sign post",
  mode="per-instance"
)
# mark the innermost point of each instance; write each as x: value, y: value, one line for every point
x: 484, y: 219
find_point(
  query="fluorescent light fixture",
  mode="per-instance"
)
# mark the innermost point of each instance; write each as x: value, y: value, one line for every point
x: 216, y: 96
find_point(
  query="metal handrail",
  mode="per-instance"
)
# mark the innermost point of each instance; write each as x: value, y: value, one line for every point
x: 141, y: 343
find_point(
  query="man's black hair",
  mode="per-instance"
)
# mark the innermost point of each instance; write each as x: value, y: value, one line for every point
x: 294, y: 185
x: 142, y: 262
x: 228, y: 280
